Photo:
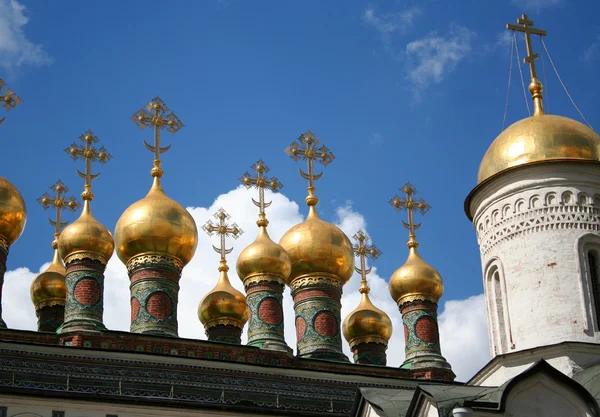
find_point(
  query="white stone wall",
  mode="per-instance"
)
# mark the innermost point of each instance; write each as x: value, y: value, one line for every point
x: 532, y: 225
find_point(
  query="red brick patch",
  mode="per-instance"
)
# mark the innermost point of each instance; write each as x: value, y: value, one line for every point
x: 159, y: 305
x: 135, y: 308
x: 426, y: 329
x: 87, y: 291
x: 300, y: 328
x: 270, y: 312
x: 325, y: 324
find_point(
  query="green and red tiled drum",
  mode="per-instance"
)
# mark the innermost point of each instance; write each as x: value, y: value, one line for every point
x: 318, y: 309
x: 50, y: 318
x: 423, y: 353
x: 85, y: 288
x: 154, y: 294
x: 264, y: 296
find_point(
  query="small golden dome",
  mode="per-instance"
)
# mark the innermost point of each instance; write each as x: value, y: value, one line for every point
x: 367, y: 324
x: 48, y: 288
x: 13, y: 213
x: 86, y: 234
x: 263, y: 257
x: 223, y: 305
x: 536, y: 139
x: 156, y: 224
x: 416, y: 280
x: 316, y: 246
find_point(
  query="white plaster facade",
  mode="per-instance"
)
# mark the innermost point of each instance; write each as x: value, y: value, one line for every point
x: 533, y: 227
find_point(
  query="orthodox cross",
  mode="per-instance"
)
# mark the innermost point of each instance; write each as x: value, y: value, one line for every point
x: 157, y: 115
x: 261, y: 182
x: 410, y: 205
x: 364, y: 251
x: 90, y: 154
x: 9, y: 99
x: 306, y: 148
x: 59, y: 202
x: 223, y: 229
x: 528, y: 30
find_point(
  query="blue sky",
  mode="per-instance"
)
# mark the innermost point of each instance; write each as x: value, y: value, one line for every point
x: 247, y: 77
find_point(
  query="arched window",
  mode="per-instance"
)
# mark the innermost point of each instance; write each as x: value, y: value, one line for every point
x: 594, y: 277
x: 498, y: 316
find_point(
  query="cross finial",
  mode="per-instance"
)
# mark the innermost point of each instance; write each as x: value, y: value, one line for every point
x: 306, y: 148
x: 410, y: 205
x: 59, y: 202
x: 535, y: 87
x: 157, y: 115
x: 363, y: 251
x: 223, y: 229
x: 8, y: 99
x: 90, y: 154
x: 261, y: 182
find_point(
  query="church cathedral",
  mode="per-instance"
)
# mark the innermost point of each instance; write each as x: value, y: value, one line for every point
x: 536, y: 213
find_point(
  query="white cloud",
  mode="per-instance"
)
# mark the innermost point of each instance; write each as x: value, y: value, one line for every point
x: 593, y: 51
x: 388, y: 23
x: 15, y: 49
x: 536, y: 5
x: 462, y: 323
x: 435, y: 55
x: 376, y: 139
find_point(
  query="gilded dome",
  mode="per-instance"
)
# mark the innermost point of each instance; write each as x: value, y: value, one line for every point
x: 48, y: 288
x: 367, y: 324
x: 536, y: 139
x: 315, y: 246
x: 223, y: 305
x: 263, y: 257
x: 86, y: 234
x: 156, y: 224
x: 13, y: 213
x: 416, y: 280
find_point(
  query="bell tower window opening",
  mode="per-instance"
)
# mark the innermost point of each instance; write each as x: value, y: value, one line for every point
x: 496, y: 303
x: 594, y: 274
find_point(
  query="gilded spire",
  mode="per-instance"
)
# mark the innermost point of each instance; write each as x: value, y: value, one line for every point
x: 223, y: 230
x: 409, y: 204
x: 86, y: 234
x: 8, y: 99
x: 306, y: 148
x: 48, y: 288
x: 535, y: 88
x: 157, y: 115
x: 223, y: 311
x: 59, y: 202
x: 90, y: 154
x: 362, y: 250
x: 367, y: 326
x: 261, y: 182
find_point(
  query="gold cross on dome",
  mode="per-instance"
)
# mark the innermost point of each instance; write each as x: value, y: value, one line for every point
x: 8, y: 99
x: 363, y: 251
x: 59, y: 202
x: 261, y: 182
x: 306, y: 148
x: 88, y: 152
x: 410, y: 205
x: 224, y: 230
x: 528, y: 30
x: 157, y: 115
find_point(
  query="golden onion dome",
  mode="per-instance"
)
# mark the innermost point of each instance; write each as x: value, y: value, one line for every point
x: 536, y: 139
x: 48, y: 288
x: 316, y: 246
x: 263, y: 257
x: 416, y: 280
x: 13, y: 213
x: 156, y: 224
x: 86, y: 235
x: 366, y: 323
x: 223, y: 305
